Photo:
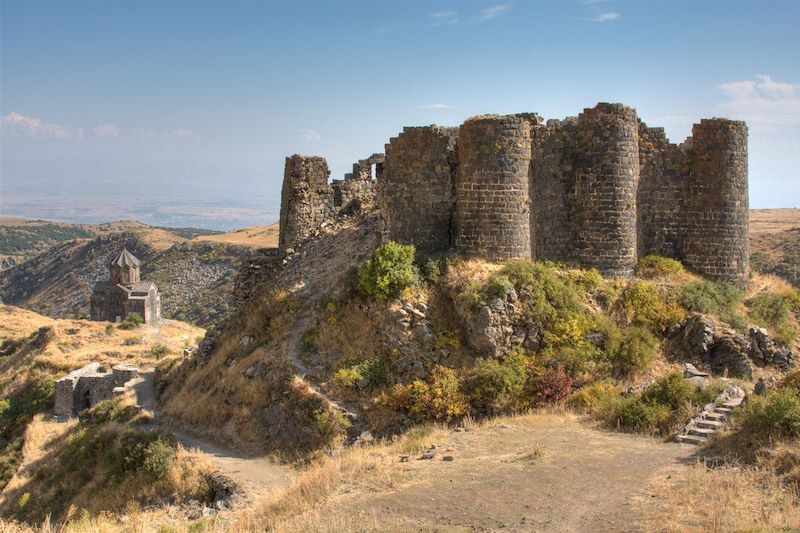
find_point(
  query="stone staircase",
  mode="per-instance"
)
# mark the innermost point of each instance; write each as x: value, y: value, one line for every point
x: 713, y: 417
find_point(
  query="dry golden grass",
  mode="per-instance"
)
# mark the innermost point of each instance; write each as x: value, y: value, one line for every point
x: 40, y: 432
x: 255, y: 237
x: 773, y: 220
x: 731, y: 498
x: 79, y: 342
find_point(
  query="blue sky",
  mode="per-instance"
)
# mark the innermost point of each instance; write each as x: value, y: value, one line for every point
x: 200, y: 102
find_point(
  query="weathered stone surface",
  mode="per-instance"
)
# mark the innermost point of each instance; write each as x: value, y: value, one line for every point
x: 306, y: 199
x: 764, y: 352
x: 88, y: 386
x: 415, y: 191
x: 716, y: 232
x: 492, y: 214
x: 596, y: 190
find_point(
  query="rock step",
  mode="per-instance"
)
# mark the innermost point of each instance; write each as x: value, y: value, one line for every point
x: 701, y: 432
x: 724, y: 410
x: 733, y: 404
x: 715, y: 416
x: 691, y: 439
x: 711, y: 424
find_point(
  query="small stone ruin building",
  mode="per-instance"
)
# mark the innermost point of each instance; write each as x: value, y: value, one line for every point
x: 88, y: 386
x: 124, y: 293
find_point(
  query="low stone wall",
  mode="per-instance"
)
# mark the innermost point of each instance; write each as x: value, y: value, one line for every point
x: 88, y: 386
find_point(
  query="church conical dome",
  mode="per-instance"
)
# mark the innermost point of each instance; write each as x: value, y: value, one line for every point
x: 125, y: 259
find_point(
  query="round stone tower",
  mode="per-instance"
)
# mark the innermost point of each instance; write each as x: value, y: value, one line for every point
x: 306, y: 199
x: 606, y: 174
x: 492, y: 217
x: 716, y: 205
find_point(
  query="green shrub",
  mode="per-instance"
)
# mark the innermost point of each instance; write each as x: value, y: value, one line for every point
x: 347, y: 377
x: 390, y: 270
x: 438, y: 398
x: 774, y: 311
x: 109, y: 329
x: 775, y: 416
x: 133, y: 321
x: 709, y: 296
x: 637, y: 351
x: 5, y: 407
x: 663, y: 407
x: 159, y: 456
x: 656, y: 266
x: 632, y: 414
x: 159, y: 350
x: 23, y: 500
x: 792, y: 380
x: 589, y: 398
x: 498, y: 286
x: 674, y: 391
x: 646, y: 306
x: 132, y: 341
x: 329, y: 423
x: 373, y: 370
x: 492, y: 380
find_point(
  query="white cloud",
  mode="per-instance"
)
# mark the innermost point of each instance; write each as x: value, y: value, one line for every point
x: 106, y: 130
x: 443, y: 18
x: 762, y: 101
x: 492, y: 12
x: 605, y: 17
x: 310, y: 135
x: 435, y: 106
x: 184, y: 134
x: 16, y: 125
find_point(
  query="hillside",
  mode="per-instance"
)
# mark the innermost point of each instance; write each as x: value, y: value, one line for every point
x: 195, y: 277
x: 256, y: 237
x: 775, y: 243
x: 21, y: 239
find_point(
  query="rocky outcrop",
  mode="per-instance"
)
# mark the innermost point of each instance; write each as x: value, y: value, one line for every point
x: 497, y: 326
x: 725, y: 351
x: 764, y: 352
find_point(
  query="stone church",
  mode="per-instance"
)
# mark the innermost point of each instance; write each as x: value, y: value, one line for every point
x: 124, y: 293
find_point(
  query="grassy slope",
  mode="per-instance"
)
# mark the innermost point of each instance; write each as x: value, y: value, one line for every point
x: 47, y: 349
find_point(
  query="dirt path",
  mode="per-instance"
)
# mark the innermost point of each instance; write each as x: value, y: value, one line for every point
x: 536, y: 473
x: 257, y: 473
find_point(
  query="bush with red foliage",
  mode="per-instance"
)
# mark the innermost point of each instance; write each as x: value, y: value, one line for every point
x: 550, y: 385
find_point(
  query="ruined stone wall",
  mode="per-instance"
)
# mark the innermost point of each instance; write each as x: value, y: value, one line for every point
x: 88, y: 386
x: 306, y: 199
x: 254, y: 273
x: 551, y: 189
x: 123, y: 374
x: 415, y: 189
x: 597, y: 190
x: 661, y: 203
x: 492, y: 217
x: 357, y: 188
x: 717, y: 201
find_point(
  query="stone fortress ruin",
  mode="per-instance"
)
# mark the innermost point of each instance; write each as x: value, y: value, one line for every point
x: 598, y: 190
x: 90, y: 385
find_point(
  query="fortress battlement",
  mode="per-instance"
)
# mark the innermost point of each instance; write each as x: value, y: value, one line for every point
x: 597, y: 190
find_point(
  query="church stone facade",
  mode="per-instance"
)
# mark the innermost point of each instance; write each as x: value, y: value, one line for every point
x: 125, y: 293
